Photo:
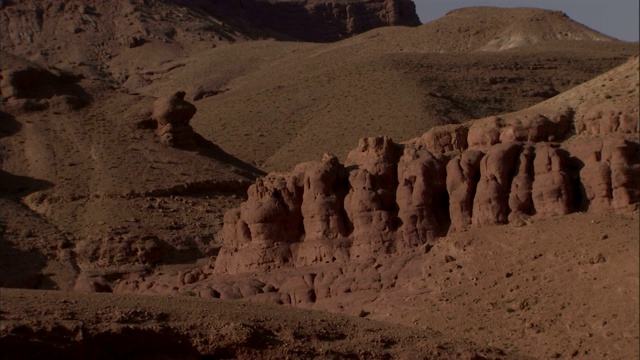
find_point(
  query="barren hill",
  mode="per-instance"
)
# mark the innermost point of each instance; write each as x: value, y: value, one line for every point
x: 494, y: 29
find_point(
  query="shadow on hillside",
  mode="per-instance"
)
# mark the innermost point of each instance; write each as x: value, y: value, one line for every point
x: 15, y: 187
x: 211, y: 150
x: 8, y: 125
x: 127, y: 343
x: 12, y: 186
x: 21, y: 269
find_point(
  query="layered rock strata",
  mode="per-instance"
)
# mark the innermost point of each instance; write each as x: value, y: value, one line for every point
x: 390, y: 198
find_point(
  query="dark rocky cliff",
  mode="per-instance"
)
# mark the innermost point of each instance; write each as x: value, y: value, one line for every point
x: 313, y: 20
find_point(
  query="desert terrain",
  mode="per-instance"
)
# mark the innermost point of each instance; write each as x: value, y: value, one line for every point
x: 313, y: 179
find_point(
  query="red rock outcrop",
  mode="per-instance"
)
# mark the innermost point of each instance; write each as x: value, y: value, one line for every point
x: 463, y: 173
x: 606, y: 120
x: 259, y: 234
x: 325, y: 225
x: 610, y: 174
x: 551, y: 190
x: 371, y: 202
x: 491, y: 203
x: 421, y: 197
x: 520, y: 196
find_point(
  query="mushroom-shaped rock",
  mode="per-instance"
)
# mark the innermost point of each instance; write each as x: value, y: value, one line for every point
x: 173, y: 115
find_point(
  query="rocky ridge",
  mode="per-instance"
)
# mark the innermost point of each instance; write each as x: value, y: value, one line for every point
x: 388, y: 197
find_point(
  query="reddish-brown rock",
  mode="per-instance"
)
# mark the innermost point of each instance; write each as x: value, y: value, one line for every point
x: 259, y: 235
x: 624, y: 157
x: 173, y: 115
x: 525, y: 128
x: 442, y: 139
x: 551, y: 190
x: 608, y: 119
x: 325, y: 228
x: 370, y: 204
x: 394, y: 203
x: 491, y: 203
x: 463, y: 173
x: 323, y: 20
x: 421, y: 197
x: 520, y: 196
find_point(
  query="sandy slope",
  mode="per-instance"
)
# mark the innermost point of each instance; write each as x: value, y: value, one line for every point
x: 40, y: 324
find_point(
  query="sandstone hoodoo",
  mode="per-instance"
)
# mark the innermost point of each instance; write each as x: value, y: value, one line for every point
x: 173, y: 115
x: 398, y: 203
x: 504, y: 213
x: 487, y: 172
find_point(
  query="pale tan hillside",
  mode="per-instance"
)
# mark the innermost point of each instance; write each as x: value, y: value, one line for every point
x: 489, y: 29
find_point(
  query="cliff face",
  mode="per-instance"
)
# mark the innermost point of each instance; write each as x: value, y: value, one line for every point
x: 496, y: 171
x: 331, y: 21
x: 318, y: 20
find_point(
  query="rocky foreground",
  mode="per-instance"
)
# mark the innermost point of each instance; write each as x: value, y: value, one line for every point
x: 41, y: 324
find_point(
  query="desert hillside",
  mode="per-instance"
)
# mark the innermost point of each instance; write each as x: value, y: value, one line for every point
x: 472, y: 180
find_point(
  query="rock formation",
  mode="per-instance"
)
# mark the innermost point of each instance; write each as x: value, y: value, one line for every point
x: 493, y: 171
x: 173, y: 115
